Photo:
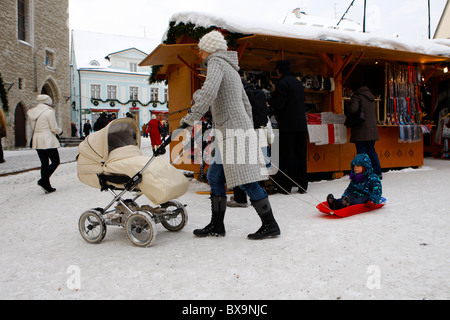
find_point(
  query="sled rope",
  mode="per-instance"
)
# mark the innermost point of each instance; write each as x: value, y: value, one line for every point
x: 302, y: 200
x: 295, y: 183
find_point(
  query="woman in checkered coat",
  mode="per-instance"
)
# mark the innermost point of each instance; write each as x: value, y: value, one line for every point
x: 235, y: 163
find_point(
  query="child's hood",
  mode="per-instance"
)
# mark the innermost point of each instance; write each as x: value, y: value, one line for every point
x: 363, y: 160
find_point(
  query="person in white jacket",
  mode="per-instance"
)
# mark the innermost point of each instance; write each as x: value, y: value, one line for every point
x: 44, y: 140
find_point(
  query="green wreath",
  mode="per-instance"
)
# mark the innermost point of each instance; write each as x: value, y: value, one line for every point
x: 112, y: 102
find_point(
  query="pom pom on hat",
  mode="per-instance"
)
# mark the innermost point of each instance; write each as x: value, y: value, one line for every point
x: 43, y: 98
x: 213, y: 42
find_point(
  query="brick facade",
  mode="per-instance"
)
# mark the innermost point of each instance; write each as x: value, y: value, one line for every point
x: 38, y: 64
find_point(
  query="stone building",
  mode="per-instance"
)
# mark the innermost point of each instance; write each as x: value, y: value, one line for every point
x: 34, y: 59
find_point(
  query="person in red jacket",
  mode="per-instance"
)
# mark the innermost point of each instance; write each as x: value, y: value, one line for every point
x: 153, y: 132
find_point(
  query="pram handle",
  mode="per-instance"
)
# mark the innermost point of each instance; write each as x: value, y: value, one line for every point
x: 134, y: 181
x: 162, y: 148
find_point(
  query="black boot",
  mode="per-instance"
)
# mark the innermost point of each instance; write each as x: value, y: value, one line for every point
x: 331, y: 201
x: 269, y: 228
x: 215, y: 228
x: 46, y: 186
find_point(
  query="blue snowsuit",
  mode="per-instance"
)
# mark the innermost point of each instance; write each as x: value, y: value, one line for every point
x: 366, y: 186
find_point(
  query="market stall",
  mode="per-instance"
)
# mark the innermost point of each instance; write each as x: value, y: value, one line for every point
x: 326, y: 61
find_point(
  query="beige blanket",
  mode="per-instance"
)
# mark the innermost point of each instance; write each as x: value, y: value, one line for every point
x: 161, y: 182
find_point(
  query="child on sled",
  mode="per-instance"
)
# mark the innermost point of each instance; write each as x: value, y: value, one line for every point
x: 365, y: 186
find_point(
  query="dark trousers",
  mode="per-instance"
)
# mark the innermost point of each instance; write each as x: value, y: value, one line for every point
x: 46, y: 156
x: 217, y: 182
x: 1, y: 151
x: 368, y: 147
x: 339, y: 202
x: 293, y: 161
x: 240, y: 196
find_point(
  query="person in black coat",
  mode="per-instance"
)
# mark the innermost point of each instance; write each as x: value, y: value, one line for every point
x: 87, y: 128
x: 101, y: 122
x: 288, y: 105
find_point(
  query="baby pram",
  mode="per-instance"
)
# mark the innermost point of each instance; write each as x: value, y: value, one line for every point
x: 111, y: 160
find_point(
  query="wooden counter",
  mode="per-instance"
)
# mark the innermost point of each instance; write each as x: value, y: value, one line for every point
x: 392, y: 153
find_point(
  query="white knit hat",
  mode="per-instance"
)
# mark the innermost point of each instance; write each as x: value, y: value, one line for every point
x: 43, y: 98
x: 213, y: 42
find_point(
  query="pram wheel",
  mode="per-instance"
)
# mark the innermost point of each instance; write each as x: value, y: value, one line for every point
x: 175, y: 217
x: 140, y: 229
x: 92, y: 226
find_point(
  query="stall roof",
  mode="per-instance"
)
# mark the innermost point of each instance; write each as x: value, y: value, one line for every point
x: 307, y: 39
x: 337, y: 47
x: 166, y: 54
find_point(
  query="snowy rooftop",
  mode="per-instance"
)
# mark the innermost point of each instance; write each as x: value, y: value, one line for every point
x: 300, y: 18
x: 93, y: 46
x: 311, y: 31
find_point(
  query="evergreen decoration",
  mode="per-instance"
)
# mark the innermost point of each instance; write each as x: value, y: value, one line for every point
x: 190, y: 30
x: 153, y: 74
x: 3, y: 95
x: 176, y: 31
x: 134, y: 103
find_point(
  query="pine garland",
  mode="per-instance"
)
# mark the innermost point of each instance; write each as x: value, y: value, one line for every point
x: 152, y: 79
x: 112, y: 102
x: 194, y: 32
x: 3, y: 94
x: 190, y: 29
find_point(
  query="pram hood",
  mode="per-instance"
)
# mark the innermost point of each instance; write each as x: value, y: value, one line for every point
x: 94, y: 151
x: 118, y: 133
x: 115, y: 150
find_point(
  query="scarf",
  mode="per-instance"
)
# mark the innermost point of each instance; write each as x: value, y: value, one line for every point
x: 357, y: 177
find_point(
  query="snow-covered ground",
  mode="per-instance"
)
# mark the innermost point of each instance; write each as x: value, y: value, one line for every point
x: 398, y: 252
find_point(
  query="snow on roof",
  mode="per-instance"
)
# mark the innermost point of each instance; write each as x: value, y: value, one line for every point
x: 309, y: 32
x: 94, y: 46
x: 298, y: 17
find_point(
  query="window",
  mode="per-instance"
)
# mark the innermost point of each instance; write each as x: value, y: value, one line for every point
x: 95, y: 91
x: 133, y: 67
x: 21, y: 84
x: 134, y: 93
x: 154, y: 94
x: 22, y: 19
x: 49, y: 59
x: 166, y: 95
x: 112, y: 92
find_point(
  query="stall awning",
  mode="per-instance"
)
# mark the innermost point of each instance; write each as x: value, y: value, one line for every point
x: 336, y: 47
x: 167, y: 54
